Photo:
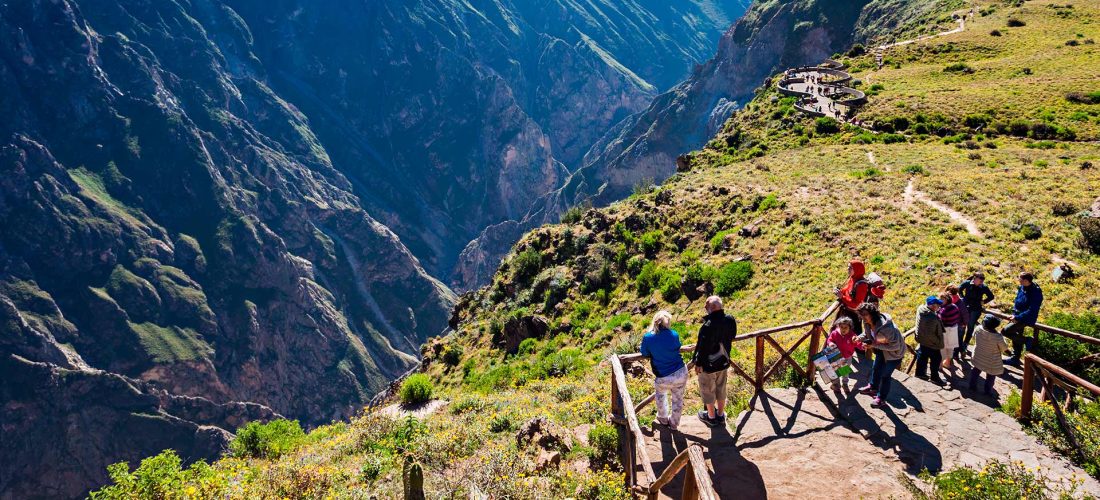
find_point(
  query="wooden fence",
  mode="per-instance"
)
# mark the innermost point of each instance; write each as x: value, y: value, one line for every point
x: 624, y: 413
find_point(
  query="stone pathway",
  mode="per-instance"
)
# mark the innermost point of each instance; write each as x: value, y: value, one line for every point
x: 799, y: 442
x: 911, y: 195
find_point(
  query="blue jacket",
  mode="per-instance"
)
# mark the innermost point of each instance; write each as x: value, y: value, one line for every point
x: 663, y: 349
x: 1028, y: 301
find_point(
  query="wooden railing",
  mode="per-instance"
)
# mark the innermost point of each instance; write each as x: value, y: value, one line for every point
x: 624, y: 413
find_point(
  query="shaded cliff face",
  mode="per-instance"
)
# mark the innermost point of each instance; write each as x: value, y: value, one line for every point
x: 215, y: 211
x: 771, y: 36
x: 451, y: 116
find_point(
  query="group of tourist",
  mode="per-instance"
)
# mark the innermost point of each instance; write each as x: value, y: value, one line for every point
x: 946, y: 323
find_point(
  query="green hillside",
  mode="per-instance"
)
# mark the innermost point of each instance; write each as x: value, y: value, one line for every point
x: 1007, y: 143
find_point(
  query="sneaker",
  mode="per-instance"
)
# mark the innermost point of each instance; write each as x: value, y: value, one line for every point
x: 878, y: 403
x: 704, y: 417
x: 721, y: 418
x: 868, y: 390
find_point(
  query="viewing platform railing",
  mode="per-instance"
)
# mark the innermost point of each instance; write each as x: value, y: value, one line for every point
x: 624, y: 413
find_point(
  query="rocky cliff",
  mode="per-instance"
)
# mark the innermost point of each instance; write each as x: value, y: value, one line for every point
x: 215, y: 211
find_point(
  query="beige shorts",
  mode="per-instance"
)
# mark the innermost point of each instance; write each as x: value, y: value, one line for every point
x: 712, y: 386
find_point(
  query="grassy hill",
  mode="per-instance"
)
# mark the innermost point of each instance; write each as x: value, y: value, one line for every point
x: 1007, y: 141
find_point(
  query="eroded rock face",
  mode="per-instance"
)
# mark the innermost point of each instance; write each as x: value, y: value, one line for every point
x: 221, y: 210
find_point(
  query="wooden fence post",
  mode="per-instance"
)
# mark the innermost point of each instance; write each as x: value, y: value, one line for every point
x: 625, y: 455
x: 1027, y: 391
x: 759, y: 364
x: 815, y: 345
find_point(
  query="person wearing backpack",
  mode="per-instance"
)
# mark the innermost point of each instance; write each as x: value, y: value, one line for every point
x: 712, y: 360
x: 856, y: 291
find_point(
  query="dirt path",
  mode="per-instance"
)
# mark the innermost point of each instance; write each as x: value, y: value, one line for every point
x: 961, y: 27
x: 911, y: 195
x: 874, y: 162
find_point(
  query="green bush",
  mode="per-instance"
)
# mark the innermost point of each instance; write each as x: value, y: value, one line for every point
x: 1001, y: 480
x: 270, y: 440
x: 1031, y: 231
x: 502, y: 422
x: 452, y: 355
x: 416, y: 389
x: 769, y: 202
x: 1064, y: 351
x: 604, y: 440
x: 733, y: 277
x: 915, y: 170
x: 717, y: 240
x: 826, y: 125
x: 1090, y: 233
x: 866, y: 173
x: 1015, y: 23
x: 670, y: 286
x: 527, y: 347
x: 958, y: 68
x: 574, y: 214
x: 527, y: 264
x: 161, y: 476
x: 652, y: 242
x: 560, y: 363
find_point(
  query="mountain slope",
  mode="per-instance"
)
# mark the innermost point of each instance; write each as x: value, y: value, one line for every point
x: 216, y: 211
x: 644, y: 147
x: 531, y: 344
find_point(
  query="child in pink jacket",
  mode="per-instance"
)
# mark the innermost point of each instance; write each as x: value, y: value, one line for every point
x: 843, y: 337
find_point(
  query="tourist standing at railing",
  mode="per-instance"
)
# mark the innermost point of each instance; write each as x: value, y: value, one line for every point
x: 989, y: 345
x: 712, y: 360
x: 1025, y: 313
x: 843, y: 337
x: 854, y: 293
x: 661, y: 344
x: 930, y: 333
x: 889, y: 345
x: 976, y: 295
x: 952, y: 318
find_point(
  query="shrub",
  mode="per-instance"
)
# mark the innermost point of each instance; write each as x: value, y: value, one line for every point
x: 856, y: 50
x: 718, y: 239
x: 652, y: 242
x: 976, y: 121
x: 502, y: 422
x: 958, y: 68
x: 452, y: 355
x: 161, y: 476
x: 915, y: 170
x: 270, y: 440
x: 769, y: 202
x: 560, y: 363
x: 527, y: 264
x: 1083, y: 98
x: 415, y: 390
x: 1031, y: 231
x: 889, y: 138
x: 574, y: 214
x: 647, y: 278
x: 670, y: 286
x: 866, y: 173
x: 995, y: 33
x: 826, y: 125
x: 372, y: 468
x: 604, y: 440
x: 1002, y: 480
x: 733, y: 277
x: 1063, y: 209
x: 527, y: 347
x: 1015, y: 23
x: 1090, y: 233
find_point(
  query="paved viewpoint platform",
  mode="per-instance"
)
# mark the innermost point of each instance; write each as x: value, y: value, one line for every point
x: 805, y: 442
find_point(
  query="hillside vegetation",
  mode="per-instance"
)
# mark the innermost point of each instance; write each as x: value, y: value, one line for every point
x: 768, y: 215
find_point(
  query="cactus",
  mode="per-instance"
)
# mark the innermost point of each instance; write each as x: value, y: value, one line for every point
x: 413, y: 479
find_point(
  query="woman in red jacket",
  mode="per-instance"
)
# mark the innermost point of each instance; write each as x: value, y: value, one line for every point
x: 853, y: 294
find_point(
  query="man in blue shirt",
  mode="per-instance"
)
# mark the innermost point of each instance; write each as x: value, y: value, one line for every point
x: 661, y: 345
x: 1025, y: 313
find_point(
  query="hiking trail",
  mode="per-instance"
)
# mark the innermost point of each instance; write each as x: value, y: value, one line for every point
x: 911, y: 195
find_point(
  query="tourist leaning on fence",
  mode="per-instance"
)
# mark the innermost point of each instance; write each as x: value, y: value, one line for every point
x: 661, y: 344
x: 929, y: 337
x: 889, y: 345
x: 1025, y: 313
x: 989, y: 345
x: 712, y: 360
x: 952, y: 318
x: 975, y: 295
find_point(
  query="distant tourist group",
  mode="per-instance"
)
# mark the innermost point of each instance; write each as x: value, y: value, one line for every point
x: 946, y: 323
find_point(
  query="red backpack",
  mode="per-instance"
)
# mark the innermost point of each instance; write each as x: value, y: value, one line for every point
x: 876, y: 287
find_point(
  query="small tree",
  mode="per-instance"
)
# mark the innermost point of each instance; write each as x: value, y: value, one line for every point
x: 416, y: 390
